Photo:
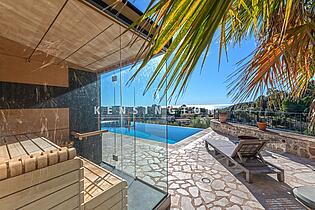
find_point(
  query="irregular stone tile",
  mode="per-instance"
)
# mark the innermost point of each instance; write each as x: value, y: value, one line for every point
x: 229, y: 179
x: 186, y: 204
x: 218, y: 185
x: 177, y: 168
x: 182, y: 191
x: 231, y: 185
x: 203, y: 186
x: 181, y: 175
x: 171, y: 192
x: 207, y: 196
x: 236, y: 200
x: 242, y: 188
x: 186, y: 168
x: 155, y: 166
x: 234, y: 207
x: 146, y: 168
x: 174, y: 186
x: 222, y: 202
x: 217, y: 176
x: 221, y: 193
x: 194, y: 191
x: 209, y: 206
x: 162, y: 185
x: 216, y: 208
x: 175, y: 200
x: 201, y: 208
x: 191, y: 182
x: 197, y: 201
x: 239, y: 194
x: 185, y: 185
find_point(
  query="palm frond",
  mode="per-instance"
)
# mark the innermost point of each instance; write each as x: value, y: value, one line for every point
x: 192, y: 25
x: 284, y: 32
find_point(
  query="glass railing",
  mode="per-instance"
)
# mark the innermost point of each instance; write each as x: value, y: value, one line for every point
x: 137, y: 147
x: 136, y: 141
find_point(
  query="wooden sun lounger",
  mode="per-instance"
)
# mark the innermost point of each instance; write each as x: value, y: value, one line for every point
x: 37, y: 174
x: 246, y: 154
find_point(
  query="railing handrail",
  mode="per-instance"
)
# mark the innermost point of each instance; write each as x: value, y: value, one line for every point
x: 266, y: 111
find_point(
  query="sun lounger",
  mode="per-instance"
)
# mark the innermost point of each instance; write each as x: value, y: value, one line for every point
x: 306, y: 195
x: 246, y: 154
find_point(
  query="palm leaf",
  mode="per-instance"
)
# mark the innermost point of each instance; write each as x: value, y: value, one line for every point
x: 284, y: 32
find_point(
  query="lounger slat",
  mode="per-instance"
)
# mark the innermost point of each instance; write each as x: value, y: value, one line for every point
x: 225, y: 147
x: 220, y: 143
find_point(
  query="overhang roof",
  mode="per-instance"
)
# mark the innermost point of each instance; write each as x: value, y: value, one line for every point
x: 71, y: 31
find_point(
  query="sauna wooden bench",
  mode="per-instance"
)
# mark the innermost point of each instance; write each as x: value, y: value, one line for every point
x: 102, y: 189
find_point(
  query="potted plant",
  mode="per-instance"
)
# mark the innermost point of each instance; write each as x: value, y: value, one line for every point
x: 262, y: 125
x: 223, y: 116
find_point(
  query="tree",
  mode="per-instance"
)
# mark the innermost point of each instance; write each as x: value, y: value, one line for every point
x: 284, y: 31
x: 302, y: 104
x: 261, y: 103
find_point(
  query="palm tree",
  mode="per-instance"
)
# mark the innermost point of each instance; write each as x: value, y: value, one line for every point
x: 284, y: 31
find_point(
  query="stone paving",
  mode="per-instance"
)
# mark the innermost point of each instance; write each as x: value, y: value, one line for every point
x: 138, y: 157
x: 200, y: 180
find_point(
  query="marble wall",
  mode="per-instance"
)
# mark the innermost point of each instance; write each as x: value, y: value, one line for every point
x: 80, y: 98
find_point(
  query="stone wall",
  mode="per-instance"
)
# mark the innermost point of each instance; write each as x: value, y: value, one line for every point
x: 280, y: 141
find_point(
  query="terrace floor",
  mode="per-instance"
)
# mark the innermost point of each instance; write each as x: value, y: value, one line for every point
x: 200, y: 180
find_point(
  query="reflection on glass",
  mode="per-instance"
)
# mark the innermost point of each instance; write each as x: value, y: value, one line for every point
x: 137, y: 139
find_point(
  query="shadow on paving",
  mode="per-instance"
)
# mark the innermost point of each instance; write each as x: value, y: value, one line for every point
x: 270, y: 193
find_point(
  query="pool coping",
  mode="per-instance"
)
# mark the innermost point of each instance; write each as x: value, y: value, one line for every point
x: 189, y: 139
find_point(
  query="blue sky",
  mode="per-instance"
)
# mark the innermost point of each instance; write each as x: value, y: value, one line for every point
x: 206, y: 86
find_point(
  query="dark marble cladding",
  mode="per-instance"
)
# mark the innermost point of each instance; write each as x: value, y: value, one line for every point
x: 25, y: 96
x: 80, y: 97
x: 83, y: 94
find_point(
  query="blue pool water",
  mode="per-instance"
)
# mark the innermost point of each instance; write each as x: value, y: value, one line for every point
x: 156, y: 132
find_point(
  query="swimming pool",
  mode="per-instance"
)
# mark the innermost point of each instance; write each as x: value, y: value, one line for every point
x: 156, y: 132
